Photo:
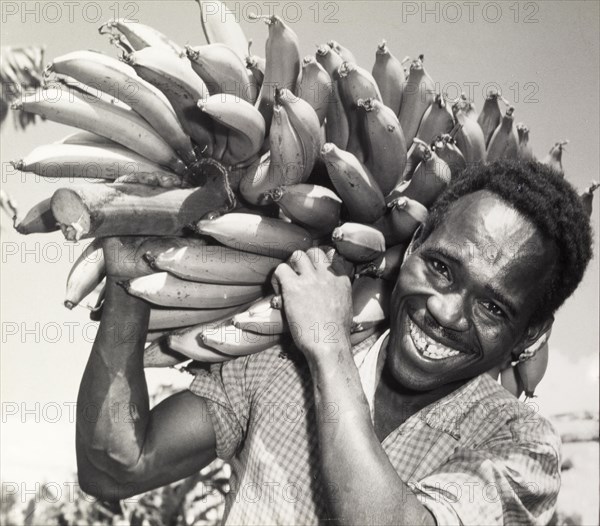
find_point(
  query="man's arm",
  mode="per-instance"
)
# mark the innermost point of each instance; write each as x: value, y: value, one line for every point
x: 123, y: 448
x: 363, y: 485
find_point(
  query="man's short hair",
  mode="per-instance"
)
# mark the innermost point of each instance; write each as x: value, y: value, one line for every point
x: 548, y: 201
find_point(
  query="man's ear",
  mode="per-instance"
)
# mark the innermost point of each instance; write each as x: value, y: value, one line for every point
x: 535, y: 336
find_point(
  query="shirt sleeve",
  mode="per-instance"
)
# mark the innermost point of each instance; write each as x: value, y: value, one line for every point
x: 511, y: 479
x: 228, y: 389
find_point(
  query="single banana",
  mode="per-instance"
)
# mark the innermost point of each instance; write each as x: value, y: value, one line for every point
x: 188, y: 341
x: 121, y: 81
x: 510, y: 380
x: 220, y: 25
x: 342, y: 51
x: 315, y: 87
x: 85, y: 137
x: 258, y: 178
x: 256, y: 69
x: 230, y: 340
x: 90, y: 162
x: 85, y: 274
x: 353, y: 182
x: 109, y: 120
x: 587, y: 197
x: 387, y: 265
x: 359, y: 337
x: 388, y: 72
x: 407, y: 214
x: 181, y: 85
x: 138, y: 36
x: 384, y: 143
x: 357, y: 242
x: 170, y: 318
x: 216, y: 264
x: 504, y: 143
x: 554, y: 157
x: 370, y: 302
x: 39, y: 220
x: 157, y: 353
x: 524, y: 153
x: 430, y: 179
x: 446, y: 149
x: 222, y: 70
x: 417, y: 95
x: 532, y: 370
x: 314, y: 207
x: 330, y: 61
x: 305, y: 122
x: 262, y: 318
x: 256, y: 234
x: 437, y: 120
x: 94, y: 210
x: 244, y: 122
x: 354, y: 84
x: 490, y: 115
x: 166, y: 290
x: 282, y: 67
x: 469, y: 137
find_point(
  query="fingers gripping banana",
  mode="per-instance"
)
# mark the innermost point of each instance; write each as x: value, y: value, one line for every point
x: 245, y: 124
x: 121, y: 81
x: 109, y: 120
x: 388, y: 73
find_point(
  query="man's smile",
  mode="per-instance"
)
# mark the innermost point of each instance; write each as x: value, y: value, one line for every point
x: 427, y: 346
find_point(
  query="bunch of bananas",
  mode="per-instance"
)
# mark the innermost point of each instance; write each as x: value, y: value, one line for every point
x: 226, y: 163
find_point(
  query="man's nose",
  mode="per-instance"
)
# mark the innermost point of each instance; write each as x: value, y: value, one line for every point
x: 448, y: 309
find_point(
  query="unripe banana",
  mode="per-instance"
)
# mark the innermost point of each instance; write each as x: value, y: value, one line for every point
x: 510, y: 380
x: 436, y: 120
x: 39, y: 219
x: 170, y: 318
x: 85, y: 274
x: 282, y: 68
x: 132, y: 36
x: 342, y: 51
x: 121, y: 81
x: 215, y: 264
x: 504, y: 143
x: 554, y: 157
x: 417, y: 95
x: 370, y: 302
x: 181, y: 85
x: 168, y: 291
x: 256, y: 234
x: 446, y: 149
x: 261, y: 318
x: 430, y: 179
x: 587, y: 197
x: 388, y: 72
x: 490, y: 115
x: 315, y: 87
x: 230, y: 340
x: 244, y: 122
x: 91, y: 162
x: 384, y: 141
x: 387, y: 265
x: 109, y: 120
x: 305, y: 122
x: 524, y: 153
x: 469, y: 138
x: 357, y: 242
x: 220, y: 25
x: 407, y: 214
x: 532, y: 370
x: 97, y: 210
x: 222, y: 70
x: 354, y: 184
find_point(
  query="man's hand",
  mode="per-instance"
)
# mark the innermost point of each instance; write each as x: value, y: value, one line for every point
x: 317, y: 302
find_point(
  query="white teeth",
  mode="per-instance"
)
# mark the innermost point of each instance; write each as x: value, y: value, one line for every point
x: 429, y: 347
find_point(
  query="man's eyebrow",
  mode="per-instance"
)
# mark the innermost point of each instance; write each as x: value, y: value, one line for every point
x: 441, y: 251
x: 502, y: 298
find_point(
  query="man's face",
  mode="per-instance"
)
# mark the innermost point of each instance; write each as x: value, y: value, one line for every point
x: 464, y: 298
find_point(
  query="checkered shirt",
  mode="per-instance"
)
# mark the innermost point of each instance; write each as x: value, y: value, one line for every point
x: 477, y: 456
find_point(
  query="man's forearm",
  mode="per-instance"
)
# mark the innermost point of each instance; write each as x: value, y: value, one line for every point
x: 112, y: 405
x: 363, y: 486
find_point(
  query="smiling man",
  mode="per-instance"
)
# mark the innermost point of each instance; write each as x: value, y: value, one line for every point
x: 406, y: 428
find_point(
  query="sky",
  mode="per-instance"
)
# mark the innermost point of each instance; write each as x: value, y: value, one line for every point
x: 543, y: 55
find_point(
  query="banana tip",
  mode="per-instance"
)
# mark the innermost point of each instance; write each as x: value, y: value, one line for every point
x: 69, y: 304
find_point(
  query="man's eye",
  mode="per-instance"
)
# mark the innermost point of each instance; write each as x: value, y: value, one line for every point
x: 440, y: 267
x: 492, y: 308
